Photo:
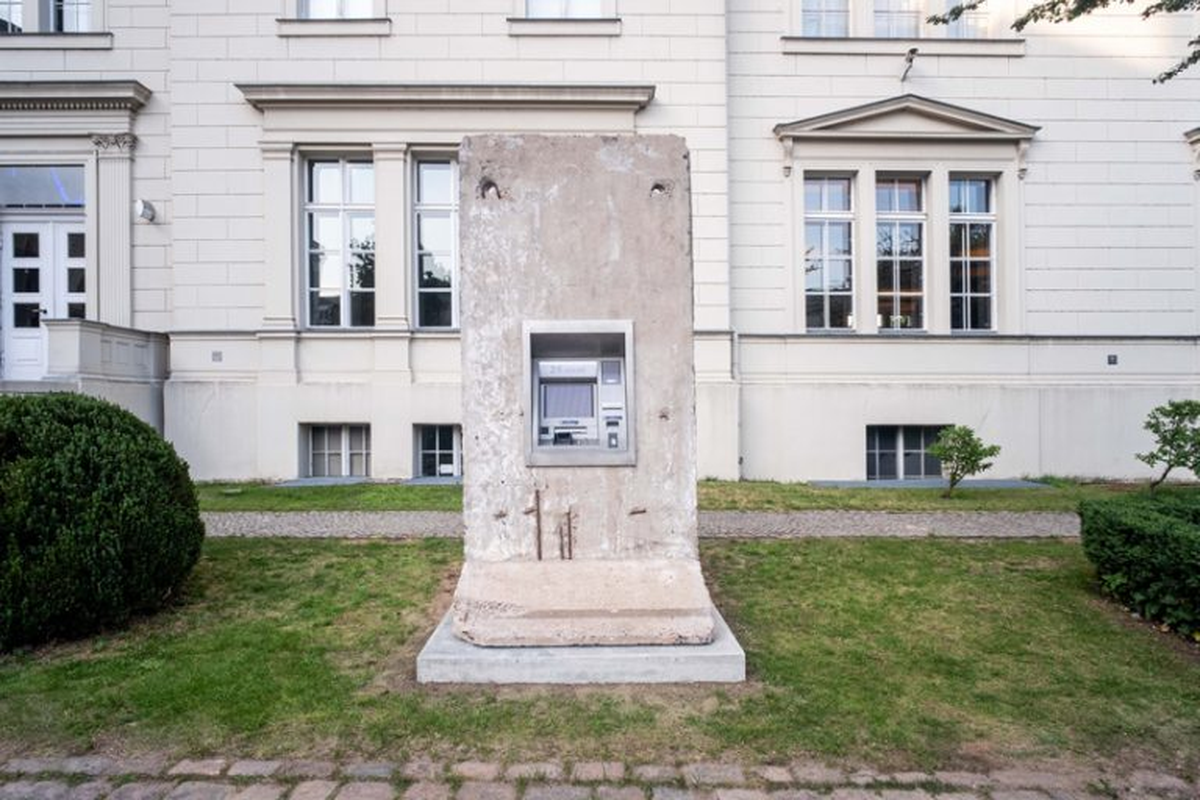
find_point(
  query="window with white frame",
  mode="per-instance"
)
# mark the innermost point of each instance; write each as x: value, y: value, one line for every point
x: 972, y: 253
x: 339, y: 213
x: 829, y: 252
x: 435, y: 224
x: 564, y: 9
x: 900, y: 251
x: 335, y: 9
x: 71, y: 16
x: 972, y: 24
x: 825, y: 18
x: 12, y: 16
x: 339, y: 451
x: 439, y: 451
x: 897, y: 19
x: 901, y: 452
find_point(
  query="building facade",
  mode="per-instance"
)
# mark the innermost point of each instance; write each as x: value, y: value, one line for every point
x: 239, y: 218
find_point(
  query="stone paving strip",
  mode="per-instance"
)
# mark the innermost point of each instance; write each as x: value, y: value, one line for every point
x: 713, y: 524
x: 157, y: 778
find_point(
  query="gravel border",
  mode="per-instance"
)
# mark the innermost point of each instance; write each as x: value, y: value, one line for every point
x: 713, y: 524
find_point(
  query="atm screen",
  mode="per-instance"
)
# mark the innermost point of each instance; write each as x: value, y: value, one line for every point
x: 569, y: 400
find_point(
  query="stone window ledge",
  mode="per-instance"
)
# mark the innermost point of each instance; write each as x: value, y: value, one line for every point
x: 522, y: 26
x: 806, y: 45
x: 381, y: 26
x: 56, y: 41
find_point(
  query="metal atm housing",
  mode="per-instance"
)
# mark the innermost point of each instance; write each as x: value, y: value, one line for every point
x: 580, y: 401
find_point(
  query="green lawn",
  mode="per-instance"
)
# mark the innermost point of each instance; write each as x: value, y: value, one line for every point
x: 896, y: 653
x: 1058, y: 495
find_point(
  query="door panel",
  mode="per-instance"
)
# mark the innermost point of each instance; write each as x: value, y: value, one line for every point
x: 42, y: 276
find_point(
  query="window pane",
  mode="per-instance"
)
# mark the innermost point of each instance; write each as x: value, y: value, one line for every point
x: 324, y: 182
x: 838, y: 274
x: 814, y: 276
x: 325, y: 230
x: 956, y: 278
x: 814, y: 311
x: 325, y: 308
x: 435, y: 232
x: 318, y: 9
x: 358, y: 465
x: 958, y: 235
x: 885, y: 240
x: 838, y: 194
x: 27, y: 280
x: 362, y: 183
x: 324, y: 271
x: 362, y: 270
x: 979, y: 198
x: 981, y: 241
x: 910, y: 239
x: 838, y: 234
x: 812, y: 191
x: 933, y: 467
x: 981, y: 313
x: 333, y: 465
x: 433, y: 182
x: 957, y: 200
x: 362, y: 309
x: 886, y: 276
x: 428, y: 465
x: 26, y: 315
x: 910, y: 276
x: 75, y: 245
x: 981, y: 277
x: 11, y: 16
x: 885, y: 194
x: 26, y: 245
x: 76, y: 280
x: 887, y: 466
x: 435, y: 310
x: 446, y: 437
x: 76, y: 310
x: 912, y: 466
x: 908, y: 195
x: 840, y: 309
x: 435, y: 273
x: 357, y: 8
x: 887, y: 435
x: 957, y: 306
x: 911, y: 313
x: 428, y: 437
x: 41, y: 187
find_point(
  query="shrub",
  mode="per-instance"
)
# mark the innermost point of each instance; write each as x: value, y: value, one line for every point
x: 1147, y: 553
x: 962, y: 454
x: 98, y: 518
x: 1176, y: 429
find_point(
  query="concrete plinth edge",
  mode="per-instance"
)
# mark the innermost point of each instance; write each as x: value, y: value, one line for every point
x: 448, y: 659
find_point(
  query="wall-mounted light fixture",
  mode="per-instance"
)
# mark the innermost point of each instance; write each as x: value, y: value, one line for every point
x: 144, y: 209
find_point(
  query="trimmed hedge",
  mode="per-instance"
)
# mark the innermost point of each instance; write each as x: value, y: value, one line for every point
x: 98, y: 518
x: 1146, y: 549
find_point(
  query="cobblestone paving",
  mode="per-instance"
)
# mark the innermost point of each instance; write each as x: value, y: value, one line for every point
x: 713, y: 524
x: 156, y: 778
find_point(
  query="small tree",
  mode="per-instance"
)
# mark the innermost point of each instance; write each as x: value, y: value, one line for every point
x: 1176, y: 429
x: 962, y: 454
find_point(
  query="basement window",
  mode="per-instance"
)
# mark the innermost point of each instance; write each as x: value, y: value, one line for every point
x: 339, y: 451
x: 900, y: 452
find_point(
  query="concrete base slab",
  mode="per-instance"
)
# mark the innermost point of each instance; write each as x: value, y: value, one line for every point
x: 448, y: 659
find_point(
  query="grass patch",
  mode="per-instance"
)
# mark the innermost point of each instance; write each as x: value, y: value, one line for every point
x: 898, y: 653
x: 1058, y: 495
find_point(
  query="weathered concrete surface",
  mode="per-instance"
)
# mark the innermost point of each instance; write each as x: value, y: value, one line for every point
x: 448, y: 659
x: 577, y: 228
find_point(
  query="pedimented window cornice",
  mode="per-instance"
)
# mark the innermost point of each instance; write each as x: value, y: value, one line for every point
x: 907, y: 117
x: 417, y: 95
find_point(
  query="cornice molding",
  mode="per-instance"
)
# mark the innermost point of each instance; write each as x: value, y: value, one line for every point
x: 265, y: 96
x: 964, y: 123
x: 127, y: 96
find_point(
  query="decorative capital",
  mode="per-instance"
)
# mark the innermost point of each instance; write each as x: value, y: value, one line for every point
x: 789, y: 155
x: 114, y: 142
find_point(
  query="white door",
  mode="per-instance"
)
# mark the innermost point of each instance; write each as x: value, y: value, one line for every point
x: 42, y: 276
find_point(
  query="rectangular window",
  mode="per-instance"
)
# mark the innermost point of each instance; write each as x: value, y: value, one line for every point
x: 335, y: 9
x: 435, y: 222
x: 829, y: 253
x: 900, y: 252
x: 564, y: 9
x: 41, y: 186
x: 897, y: 19
x: 439, y: 451
x: 972, y: 254
x: 339, y: 212
x: 972, y: 24
x: 899, y: 452
x: 12, y: 18
x: 72, y: 16
x: 338, y: 451
x: 825, y: 18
